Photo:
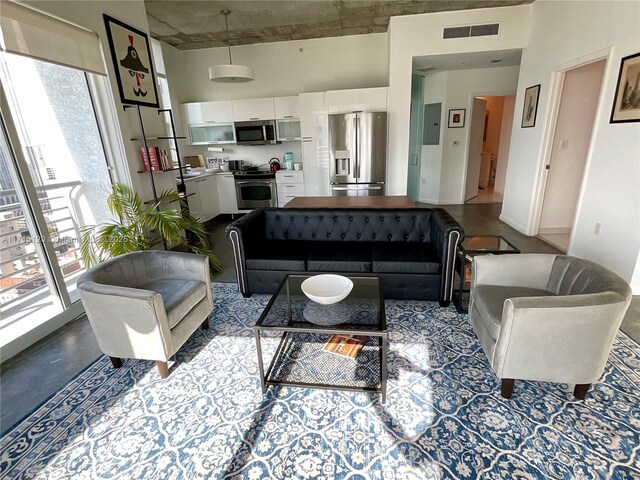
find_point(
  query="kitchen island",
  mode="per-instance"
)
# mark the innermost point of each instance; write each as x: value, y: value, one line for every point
x: 380, y: 202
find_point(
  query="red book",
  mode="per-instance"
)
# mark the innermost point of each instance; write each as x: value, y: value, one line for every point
x: 153, y: 155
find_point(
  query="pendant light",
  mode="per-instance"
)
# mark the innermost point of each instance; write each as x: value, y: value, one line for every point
x: 230, y: 73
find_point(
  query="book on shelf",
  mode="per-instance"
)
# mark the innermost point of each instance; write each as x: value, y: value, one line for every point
x: 158, y: 158
x: 345, y: 345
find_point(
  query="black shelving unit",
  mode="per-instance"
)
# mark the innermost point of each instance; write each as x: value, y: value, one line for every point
x: 181, y: 187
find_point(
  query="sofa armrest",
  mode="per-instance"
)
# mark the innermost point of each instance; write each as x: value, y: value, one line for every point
x: 565, y: 339
x: 242, y: 234
x: 128, y: 322
x: 513, y: 270
x: 445, y: 235
x: 169, y: 265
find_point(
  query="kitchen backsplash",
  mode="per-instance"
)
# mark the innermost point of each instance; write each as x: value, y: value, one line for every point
x: 258, y: 154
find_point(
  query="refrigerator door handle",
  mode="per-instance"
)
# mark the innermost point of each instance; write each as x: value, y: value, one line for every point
x: 356, y: 189
x: 358, y: 140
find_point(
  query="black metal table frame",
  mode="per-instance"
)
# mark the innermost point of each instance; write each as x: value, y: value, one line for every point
x: 336, y: 330
x: 457, y: 301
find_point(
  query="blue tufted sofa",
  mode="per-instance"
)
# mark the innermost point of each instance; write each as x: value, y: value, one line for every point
x: 413, y: 250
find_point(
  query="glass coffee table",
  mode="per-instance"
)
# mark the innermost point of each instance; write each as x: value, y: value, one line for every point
x: 301, y: 360
x: 473, y: 246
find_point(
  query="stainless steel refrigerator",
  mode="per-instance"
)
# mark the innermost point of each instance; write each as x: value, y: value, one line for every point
x: 357, y: 153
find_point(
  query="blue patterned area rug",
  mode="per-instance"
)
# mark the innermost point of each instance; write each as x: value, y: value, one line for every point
x: 444, y: 417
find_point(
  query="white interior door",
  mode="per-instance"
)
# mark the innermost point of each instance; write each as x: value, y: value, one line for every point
x: 475, y: 148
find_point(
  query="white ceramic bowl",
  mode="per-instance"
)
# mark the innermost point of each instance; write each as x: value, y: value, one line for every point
x: 327, y: 289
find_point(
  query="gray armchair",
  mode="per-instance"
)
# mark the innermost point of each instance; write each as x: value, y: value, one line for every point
x: 146, y: 305
x: 546, y: 317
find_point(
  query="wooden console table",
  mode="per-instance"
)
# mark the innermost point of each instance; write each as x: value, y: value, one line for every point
x: 379, y: 202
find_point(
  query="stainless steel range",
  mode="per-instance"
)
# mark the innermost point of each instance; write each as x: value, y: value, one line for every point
x: 255, y: 189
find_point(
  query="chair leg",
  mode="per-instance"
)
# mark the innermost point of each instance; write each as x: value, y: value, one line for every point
x: 205, y: 325
x: 507, y: 387
x: 163, y: 368
x: 116, y: 362
x: 581, y: 390
x: 444, y: 303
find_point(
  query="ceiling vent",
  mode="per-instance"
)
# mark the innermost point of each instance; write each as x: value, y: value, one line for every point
x: 471, y: 31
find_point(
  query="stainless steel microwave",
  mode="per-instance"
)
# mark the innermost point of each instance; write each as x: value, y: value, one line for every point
x: 260, y: 132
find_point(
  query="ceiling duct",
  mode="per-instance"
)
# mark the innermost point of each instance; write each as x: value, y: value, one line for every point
x: 471, y: 31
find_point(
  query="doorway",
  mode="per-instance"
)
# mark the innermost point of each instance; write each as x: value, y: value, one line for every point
x: 489, y: 140
x: 415, y: 136
x: 578, y: 103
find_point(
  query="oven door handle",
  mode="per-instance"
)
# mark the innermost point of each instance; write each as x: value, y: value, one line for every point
x: 245, y: 182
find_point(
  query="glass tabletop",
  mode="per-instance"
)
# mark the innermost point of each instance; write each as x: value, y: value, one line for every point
x: 362, y: 310
x: 488, y: 243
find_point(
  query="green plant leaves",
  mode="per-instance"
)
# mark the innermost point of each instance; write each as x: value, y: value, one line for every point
x: 141, y: 228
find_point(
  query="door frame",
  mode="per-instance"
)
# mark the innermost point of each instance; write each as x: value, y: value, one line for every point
x: 499, y: 93
x: 555, y: 96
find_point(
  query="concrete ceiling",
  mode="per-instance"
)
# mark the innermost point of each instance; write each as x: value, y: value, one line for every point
x: 465, y: 61
x: 188, y: 24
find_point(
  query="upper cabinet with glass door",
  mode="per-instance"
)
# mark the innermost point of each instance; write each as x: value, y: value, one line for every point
x: 287, y: 110
x: 209, y: 123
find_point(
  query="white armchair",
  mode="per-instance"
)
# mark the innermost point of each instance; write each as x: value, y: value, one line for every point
x: 146, y: 305
x: 546, y: 317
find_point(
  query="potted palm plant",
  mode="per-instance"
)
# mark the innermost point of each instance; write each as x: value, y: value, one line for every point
x: 144, y: 227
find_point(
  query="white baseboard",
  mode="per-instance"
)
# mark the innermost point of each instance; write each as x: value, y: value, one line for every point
x: 513, y: 224
x: 554, y: 230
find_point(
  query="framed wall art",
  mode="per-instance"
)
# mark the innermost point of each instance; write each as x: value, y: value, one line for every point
x: 626, y: 101
x: 530, y: 110
x: 131, y: 57
x: 456, y: 118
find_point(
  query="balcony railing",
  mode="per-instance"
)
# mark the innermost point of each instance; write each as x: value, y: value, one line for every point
x: 21, y: 269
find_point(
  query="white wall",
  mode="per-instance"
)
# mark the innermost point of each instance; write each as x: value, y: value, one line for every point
x: 580, y: 93
x: 435, y: 91
x: 417, y: 35
x: 612, y: 185
x: 463, y: 86
x: 289, y: 68
x: 505, y: 143
x: 635, y: 279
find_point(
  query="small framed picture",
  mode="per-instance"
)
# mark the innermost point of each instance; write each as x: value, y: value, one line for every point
x: 131, y: 57
x: 626, y: 102
x: 456, y: 117
x: 530, y: 110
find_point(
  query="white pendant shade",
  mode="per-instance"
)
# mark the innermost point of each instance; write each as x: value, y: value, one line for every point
x: 231, y: 73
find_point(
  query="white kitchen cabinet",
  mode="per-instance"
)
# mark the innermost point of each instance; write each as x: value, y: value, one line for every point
x: 207, y: 112
x: 205, y: 203
x: 287, y: 107
x: 357, y: 100
x: 288, y: 129
x: 227, y: 193
x: 314, y: 128
x: 209, y: 123
x: 217, y: 112
x: 212, y: 134
x: 289, y: 184
x: 253, y: 109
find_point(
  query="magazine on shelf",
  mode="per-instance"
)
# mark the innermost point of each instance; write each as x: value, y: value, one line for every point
x: 345, y: 345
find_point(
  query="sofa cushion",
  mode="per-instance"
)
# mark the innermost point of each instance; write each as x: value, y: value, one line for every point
x: 405, y: 258
x: 178, y: 296
x: 489, y: 300
x: 278, y: 255
x: 340, y: 257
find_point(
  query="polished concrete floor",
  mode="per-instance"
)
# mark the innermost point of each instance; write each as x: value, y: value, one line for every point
x: 35, y: 374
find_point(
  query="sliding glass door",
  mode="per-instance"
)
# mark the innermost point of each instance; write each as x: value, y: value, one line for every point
x: 54, y: 179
